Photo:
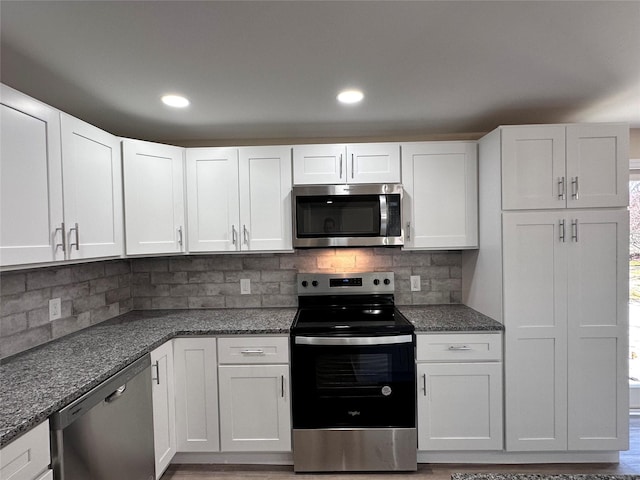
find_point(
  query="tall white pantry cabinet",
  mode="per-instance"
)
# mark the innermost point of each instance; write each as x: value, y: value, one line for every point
x: 553, y: 268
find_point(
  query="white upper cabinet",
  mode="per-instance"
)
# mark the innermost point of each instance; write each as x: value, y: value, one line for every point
x: 239, y: 199
x: 31, y: 213
x: 440, y: 205
x: 597, y: 166
x: 41, y: 220
x: 558, y: 166
x: 153, y: 197
x: 92, y: 190
x: 213, y: 203
x: 354, y: 163
x: 265, y: 198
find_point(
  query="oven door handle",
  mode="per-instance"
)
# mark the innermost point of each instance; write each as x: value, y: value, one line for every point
x: 385, y: 340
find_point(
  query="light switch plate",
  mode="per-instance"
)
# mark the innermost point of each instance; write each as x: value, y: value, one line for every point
x: 55, y: 309
x: 415, y: 283
x: 245, y: 286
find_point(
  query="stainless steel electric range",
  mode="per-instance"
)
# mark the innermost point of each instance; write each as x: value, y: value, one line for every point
x: 352, y: 376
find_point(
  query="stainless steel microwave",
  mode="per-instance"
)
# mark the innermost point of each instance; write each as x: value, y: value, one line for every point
x: 347, y: 215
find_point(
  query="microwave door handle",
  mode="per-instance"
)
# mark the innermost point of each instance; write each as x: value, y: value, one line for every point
x: 384, y: 215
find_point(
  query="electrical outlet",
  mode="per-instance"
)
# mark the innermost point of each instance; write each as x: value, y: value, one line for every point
x: 55, y: 309
x: 415, y: 283
x: 245, y: 286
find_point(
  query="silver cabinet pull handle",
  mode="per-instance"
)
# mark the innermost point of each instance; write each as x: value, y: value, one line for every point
x: 562, y: 189
x: 574, y: 230
x: 62, y: 231
x: 180, y: 235
x: 77, y: 243
x: 562, y: 232
x: 340, y: 166
x: 282, y: 385
x: 256, y: 351
x: 245, y: 235
x: 574, y: 188
x: 459, y: 347
x: 234, y: 235
x: 353, y: 167
x: 157, y: 377
x: 408, y: 231
x: 424, y: 384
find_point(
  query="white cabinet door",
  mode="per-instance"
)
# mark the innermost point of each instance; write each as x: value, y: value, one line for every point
x: 153, y: 197
x: 373, y: 163
x: 196, y: 382
x: 255, y: 408
x: 92, y: 190
x: 319, y: 164
x: 598, y: 336
x: 597, y: 165
x: 535, y: 317
x: 338, y: 163
x: 213, y: 199
x: 440, y: 202
x: 26, y: 457
x: 164, y: 406
x: 460, y: 406
x: 31, y: 213
x: 533, y: 167
x: 265, y: 198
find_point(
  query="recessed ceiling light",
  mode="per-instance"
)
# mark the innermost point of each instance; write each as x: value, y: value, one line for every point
x: 350, y: 96
x: 176, y: 101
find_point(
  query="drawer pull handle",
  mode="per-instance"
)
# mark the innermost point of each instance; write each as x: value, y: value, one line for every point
x: 459, y: 347
x: 257, y: 351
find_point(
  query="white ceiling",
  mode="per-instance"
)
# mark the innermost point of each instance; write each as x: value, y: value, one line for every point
x: 266, y: 70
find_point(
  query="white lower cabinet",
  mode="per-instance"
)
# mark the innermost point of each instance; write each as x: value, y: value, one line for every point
x: 255, y: 402
x: 196, y: 382
x: 164, y: 406
x: 27, y: 457
x: 459, y: 392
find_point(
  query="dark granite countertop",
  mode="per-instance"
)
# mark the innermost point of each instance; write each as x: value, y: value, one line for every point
x: 448, y: 318
x: 38, y: 382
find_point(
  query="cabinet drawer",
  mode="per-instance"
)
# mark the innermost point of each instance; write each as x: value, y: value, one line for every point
x: 26, y: 457
x: 253, y: 350
x: 459, y: 347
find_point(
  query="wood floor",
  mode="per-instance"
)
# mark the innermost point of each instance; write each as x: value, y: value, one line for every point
x: 629, y: 465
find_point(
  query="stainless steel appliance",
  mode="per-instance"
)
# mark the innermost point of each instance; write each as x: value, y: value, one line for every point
x: 352, y: 376
x: 347, y: 215
x: 107, y: 433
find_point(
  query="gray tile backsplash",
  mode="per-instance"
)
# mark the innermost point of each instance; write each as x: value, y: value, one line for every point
x: 94, y: 292
x: 90, y: 293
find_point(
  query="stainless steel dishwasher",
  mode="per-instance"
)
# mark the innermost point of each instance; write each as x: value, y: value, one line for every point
x: 107, y: 434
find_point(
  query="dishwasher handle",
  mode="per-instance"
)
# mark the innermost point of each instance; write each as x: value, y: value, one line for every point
x: 117, y: 394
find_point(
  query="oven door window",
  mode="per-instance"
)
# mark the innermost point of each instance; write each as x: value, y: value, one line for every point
x: 338, y: 216
x: 359, y: 371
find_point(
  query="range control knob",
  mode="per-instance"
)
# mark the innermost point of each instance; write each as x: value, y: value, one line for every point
x: 314, y: 283
x: 376, y: 282
x: 387, y: 281
x: 305, y: 283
